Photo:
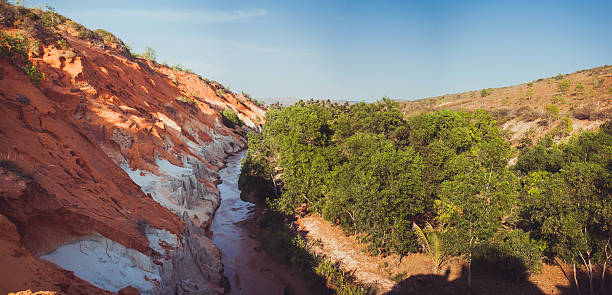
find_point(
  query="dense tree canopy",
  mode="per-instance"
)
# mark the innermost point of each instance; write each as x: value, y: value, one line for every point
x: 375, y: 173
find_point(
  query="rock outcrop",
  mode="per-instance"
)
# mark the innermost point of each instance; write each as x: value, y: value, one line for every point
x: 113, y: 156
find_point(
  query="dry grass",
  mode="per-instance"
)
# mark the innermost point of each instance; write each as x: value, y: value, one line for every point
x: 588, y: 97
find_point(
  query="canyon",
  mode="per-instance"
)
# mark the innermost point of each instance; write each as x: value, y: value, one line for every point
x: 109, y: 171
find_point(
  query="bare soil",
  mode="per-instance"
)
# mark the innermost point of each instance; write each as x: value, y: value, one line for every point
x: 414, y: 275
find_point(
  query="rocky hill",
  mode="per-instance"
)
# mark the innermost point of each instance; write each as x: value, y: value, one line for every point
x: 560, y: 105
x: 107, y: 163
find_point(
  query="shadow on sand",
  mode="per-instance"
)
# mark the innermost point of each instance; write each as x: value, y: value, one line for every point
x: 488, y: 280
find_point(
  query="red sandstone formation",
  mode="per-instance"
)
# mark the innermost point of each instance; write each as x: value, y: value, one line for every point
x: 62, y: 145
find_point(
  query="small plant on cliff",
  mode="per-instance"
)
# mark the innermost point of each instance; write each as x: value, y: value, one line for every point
x: 230, y: 118
x: 187, y: 100
x: 63, y: 43
x: 35, y: 74
x: 16, y: 49
x: 149, y: 54
x: 254, y: 100
x: 220, y: 92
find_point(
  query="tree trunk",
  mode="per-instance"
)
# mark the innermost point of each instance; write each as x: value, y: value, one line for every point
x: 605, y: 266
x: 589, y: 268
x: 590, y: 277
x: 470, y: 271
x: 603, y: 276
x: 576, y: 280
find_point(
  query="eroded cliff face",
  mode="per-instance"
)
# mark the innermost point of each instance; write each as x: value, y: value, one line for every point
x: 110, y: 164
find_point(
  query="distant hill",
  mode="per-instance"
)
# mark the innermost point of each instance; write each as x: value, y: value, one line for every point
x: 559, y: 105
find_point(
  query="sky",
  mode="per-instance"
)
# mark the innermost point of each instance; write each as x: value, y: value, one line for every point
x: 359, y: 50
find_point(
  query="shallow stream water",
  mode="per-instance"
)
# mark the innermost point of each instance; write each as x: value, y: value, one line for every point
x: 248, y: 268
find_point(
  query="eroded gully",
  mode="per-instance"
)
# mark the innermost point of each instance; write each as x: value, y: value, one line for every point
x: 247, y: 267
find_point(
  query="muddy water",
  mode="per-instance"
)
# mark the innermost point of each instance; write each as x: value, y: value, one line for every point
x: 247, y: 267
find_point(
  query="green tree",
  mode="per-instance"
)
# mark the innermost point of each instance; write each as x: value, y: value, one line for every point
x: 149, y: 54
x: 481, y: 196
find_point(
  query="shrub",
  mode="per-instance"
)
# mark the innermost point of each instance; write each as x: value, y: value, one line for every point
x: 515, y: 252
x: 230, y: 118
x: 220, y: 92
x: 559, y: 77
x: 552, y: 112
x: 579, y: 88
x: 63, y: 43
x: 563, y: 129
x: 187, y: 100
x: 16, y: 49
x: 558, y: 98
x: 564, y: 85
x: 85, y: 33
x: 35, y: 74
x: 149, y: 54
x: 108, y: 37
x: 49, y: 17
x: 486, y: 92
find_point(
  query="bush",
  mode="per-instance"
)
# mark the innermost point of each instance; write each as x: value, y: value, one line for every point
x: 16, y: 49
x: 486, y: 92
x: 579, y: 88
x: 513, y: 251
x: 230, y: 118
x: 108, y: 37
x: 552, y: 112
x: 149, y: 54
x: 558, y: 77
x: 220, y: 92
x: 35, y: 74
x: 558, y: 98
x: 63, y: 43
x: 85, y: 33
x: 564, y: 85
x: 186, y: 100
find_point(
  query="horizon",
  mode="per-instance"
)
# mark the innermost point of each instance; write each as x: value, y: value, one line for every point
x: 359, y: 51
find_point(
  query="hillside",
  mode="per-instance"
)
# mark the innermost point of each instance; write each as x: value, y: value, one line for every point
x: 108, y: 162
x: 531, y: 110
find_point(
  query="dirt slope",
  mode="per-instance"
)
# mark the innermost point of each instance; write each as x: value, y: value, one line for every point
x: 413, y: 275
x: 114, y: 147
x: 533, y: 109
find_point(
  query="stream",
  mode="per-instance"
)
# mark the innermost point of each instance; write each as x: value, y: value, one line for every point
x: 247, y: 267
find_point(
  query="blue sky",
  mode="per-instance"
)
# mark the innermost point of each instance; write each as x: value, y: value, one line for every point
x: 360, y: 50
